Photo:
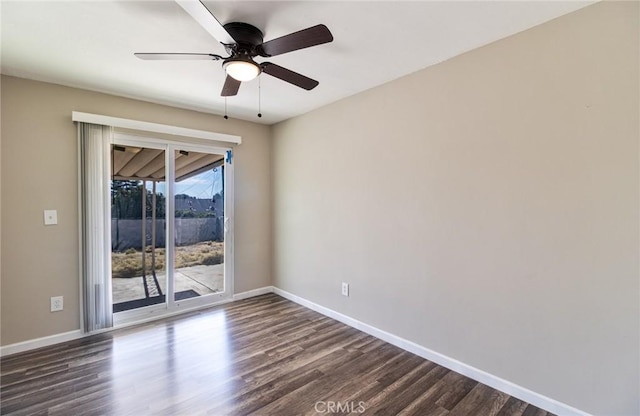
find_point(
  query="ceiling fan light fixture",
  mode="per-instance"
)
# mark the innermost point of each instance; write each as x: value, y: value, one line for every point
x: 241, y: 70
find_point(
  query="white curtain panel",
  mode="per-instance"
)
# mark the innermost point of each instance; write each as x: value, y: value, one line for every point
x: 94, y: 149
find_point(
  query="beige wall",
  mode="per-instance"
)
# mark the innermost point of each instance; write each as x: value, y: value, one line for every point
x: 39, y: 171
x: 485, y: 208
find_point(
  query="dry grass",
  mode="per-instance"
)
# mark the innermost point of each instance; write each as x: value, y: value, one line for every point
x: 129, y: 262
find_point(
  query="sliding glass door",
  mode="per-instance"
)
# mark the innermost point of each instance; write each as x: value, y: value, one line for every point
x: 170, y: 216
x: 138, y: 226
x: 199, y: 224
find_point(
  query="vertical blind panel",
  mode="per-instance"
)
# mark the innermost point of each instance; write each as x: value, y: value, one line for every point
x: 94, y: 141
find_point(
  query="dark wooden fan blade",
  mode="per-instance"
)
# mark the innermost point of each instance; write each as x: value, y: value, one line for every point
x: 206, y: 19
x: 177, y: 56
x: 231, y: 87
x: 312, y: 36
x: 289, y: 76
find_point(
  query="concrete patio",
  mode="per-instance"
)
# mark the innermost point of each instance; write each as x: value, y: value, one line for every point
x: 204, y: 280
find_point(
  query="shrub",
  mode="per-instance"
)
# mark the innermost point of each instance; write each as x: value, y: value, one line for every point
x: 129, y: 263
x: 211, y: 259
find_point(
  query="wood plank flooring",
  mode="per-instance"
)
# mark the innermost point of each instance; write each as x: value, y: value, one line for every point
x: 262, y: 356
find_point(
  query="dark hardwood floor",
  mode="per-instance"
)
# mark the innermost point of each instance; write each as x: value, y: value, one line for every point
x: 264, y: 356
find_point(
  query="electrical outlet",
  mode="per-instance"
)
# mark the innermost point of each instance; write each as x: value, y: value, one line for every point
x: 57, y: 303
x: 345, y: 289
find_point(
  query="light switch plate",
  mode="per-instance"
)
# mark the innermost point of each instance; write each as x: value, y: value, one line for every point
x: 50, y: 217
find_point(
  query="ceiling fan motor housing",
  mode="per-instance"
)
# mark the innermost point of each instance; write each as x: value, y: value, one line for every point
x: 247, y: 36
x: 241, y: 65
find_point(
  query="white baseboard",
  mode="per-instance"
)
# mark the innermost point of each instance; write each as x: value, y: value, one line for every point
x: 32, y: 344
x: 253, y: 293
x: 497, y: 383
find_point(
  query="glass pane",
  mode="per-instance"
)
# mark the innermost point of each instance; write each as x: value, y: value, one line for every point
x: 138, y: 227
x: 199, y: 224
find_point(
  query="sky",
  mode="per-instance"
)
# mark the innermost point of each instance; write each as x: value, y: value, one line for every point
x: 202, y: 186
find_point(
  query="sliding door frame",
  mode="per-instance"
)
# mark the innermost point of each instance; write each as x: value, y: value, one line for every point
x: 172, y: 306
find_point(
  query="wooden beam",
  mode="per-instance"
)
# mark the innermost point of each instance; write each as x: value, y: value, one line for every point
x: 153, y: 166
x: 120, y: 159
x: 138, y: 162
x: 198, y: 164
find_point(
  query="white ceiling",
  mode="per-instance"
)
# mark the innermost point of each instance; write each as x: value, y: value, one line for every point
x: 90, y: 44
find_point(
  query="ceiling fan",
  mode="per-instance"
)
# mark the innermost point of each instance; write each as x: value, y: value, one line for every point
x: 243, y: 42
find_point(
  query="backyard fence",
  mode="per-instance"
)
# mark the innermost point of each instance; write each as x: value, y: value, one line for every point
x: 127, y: 234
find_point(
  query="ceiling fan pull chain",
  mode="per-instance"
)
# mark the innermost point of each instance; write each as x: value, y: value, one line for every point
x: 259, y: 98
x: 226, y: 117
